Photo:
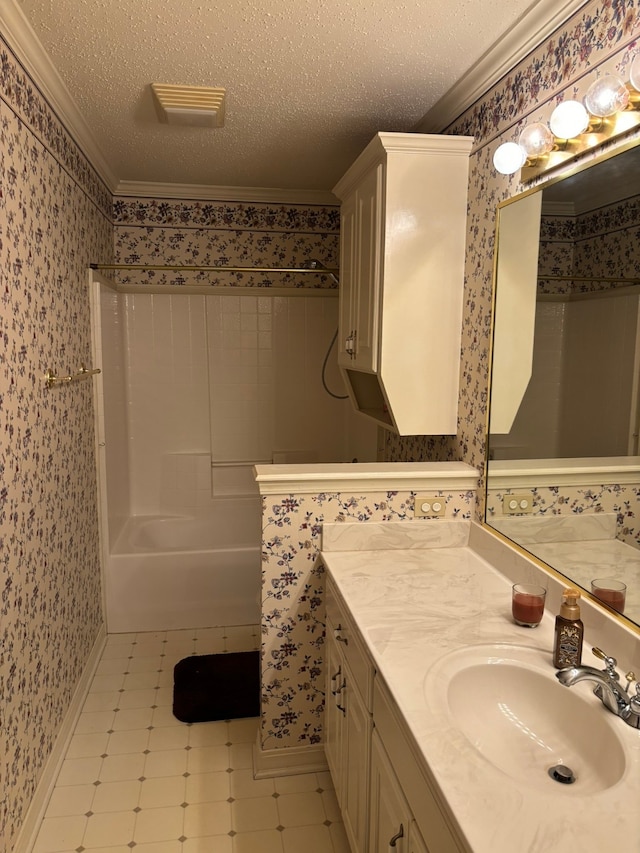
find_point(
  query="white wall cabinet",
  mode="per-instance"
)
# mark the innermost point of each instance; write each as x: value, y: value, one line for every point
x: 402, y: 247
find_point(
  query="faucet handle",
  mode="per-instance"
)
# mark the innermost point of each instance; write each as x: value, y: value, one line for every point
x: 609, y: 662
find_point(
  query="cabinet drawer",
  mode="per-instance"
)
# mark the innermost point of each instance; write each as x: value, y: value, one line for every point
x: 344, y: 632
x: 413, y: 776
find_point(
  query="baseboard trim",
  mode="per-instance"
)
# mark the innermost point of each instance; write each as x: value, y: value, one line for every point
x: 287, y: 761
x: 36, y: 811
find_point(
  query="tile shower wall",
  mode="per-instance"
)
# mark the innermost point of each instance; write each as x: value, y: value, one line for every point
x: 167, y: 392
x: 54, y: 221
x: 230, y: 377
x: 600, y: 37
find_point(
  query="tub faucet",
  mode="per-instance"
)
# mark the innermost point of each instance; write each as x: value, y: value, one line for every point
x: 608, y: 689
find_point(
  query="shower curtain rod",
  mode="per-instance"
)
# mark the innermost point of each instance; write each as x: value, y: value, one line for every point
x: 316, y: 270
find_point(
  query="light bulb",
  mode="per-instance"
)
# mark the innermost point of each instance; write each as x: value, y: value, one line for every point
x: 607, y: 96
x: 568, y: 120
x: 536, y: 139
x: 634, y: 72
x: 508, y: 158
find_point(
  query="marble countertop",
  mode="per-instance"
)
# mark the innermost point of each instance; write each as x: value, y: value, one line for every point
x: 582, y: 547
x: 413, y: 605
x: 596, y: 558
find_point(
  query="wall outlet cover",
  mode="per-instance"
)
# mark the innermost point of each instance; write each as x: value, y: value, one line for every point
x: 517, y: 504
x: 429, y: 506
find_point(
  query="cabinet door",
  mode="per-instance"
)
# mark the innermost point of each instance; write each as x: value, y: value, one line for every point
x: 348, y: 285
x: 368, y: 273
x: 390, y: 817
x: 356, y: 754
x: 416, y: 841
x: 334, y: 716
x: 361, y: 250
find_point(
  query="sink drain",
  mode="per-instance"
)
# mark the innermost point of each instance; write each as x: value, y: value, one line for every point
x: 561, y: 773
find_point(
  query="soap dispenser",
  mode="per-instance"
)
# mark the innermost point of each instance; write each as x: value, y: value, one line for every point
x: 567, y: 647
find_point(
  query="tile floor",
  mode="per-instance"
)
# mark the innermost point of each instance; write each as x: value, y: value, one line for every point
x: 135, y: 778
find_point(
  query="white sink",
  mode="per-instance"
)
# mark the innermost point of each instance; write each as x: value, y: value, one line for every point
x: 506, y: 701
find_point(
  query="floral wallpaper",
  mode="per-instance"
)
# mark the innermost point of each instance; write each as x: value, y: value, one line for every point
x: 592, y: 247
x: 293, y: 608
x: 151, y: 231
x: 54, y: 220
x: 623, y: 500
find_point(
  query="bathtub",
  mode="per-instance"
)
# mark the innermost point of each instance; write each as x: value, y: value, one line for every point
x: 171, y: 572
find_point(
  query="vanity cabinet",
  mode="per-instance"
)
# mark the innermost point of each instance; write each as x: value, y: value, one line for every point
x: 382, y: 787
x: 348, y: 721
x: 433, y: 828
x: 402, y: 246
x: 391, y: 824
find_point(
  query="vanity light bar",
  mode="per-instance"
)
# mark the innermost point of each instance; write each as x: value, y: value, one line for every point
x: 611, y: 109
x: 566, y: 150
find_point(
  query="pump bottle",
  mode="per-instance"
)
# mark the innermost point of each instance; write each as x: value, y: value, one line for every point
x: 569, y: 631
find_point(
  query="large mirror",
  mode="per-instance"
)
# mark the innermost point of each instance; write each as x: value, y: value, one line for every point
x: 563, y: 470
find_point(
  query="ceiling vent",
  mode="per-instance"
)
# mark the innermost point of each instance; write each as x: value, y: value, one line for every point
x: 194, y: 106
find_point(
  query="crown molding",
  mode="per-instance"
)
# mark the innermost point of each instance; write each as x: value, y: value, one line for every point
x: 195, y: 192
x: 20, y: 36
x: 524, y: 36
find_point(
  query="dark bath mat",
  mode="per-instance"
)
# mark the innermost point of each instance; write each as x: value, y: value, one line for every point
x: 217, y: 687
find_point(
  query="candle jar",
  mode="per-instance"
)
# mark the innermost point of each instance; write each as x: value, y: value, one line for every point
x: 527, y: 604
x: 611, y: 592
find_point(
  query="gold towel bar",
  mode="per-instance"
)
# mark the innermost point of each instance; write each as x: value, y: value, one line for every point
x: 51, y: 379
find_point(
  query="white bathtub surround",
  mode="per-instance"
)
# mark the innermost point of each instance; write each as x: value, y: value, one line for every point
x: 170, y: 572
x: 414, y: 605
x: 235, y: 374
x: 297, y: 501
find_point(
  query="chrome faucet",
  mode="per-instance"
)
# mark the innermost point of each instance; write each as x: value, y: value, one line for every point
x: 608, y: 689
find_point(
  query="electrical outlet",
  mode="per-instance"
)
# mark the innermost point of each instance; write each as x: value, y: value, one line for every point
x: 429, y: 506
x: 517, y: 504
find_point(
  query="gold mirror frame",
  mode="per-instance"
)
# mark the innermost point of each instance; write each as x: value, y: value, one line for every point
x: 574, y: 169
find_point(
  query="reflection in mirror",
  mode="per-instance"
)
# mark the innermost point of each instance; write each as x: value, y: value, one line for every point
x: 563, y: 471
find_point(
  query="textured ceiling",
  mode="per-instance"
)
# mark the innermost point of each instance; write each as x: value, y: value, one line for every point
x: 308, y: 81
